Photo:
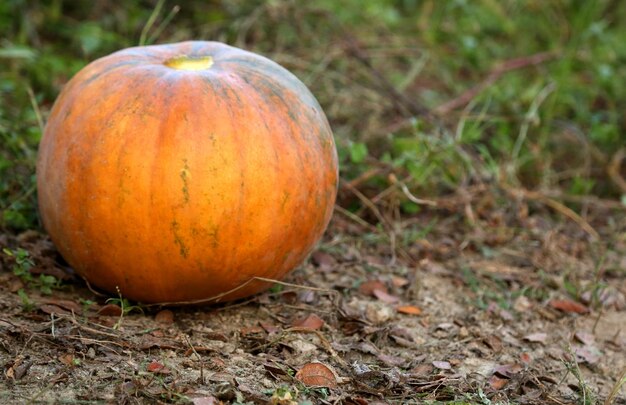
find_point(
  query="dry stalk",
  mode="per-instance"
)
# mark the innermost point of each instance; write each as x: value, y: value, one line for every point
x: 614, y: 169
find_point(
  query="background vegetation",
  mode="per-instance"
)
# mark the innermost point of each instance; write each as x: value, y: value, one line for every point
x: 544, y: 110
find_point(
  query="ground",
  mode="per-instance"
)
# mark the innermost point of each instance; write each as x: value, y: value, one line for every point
x: 514, y: 305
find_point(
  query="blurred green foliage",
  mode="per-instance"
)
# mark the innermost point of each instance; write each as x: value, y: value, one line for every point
x: 554, y: 125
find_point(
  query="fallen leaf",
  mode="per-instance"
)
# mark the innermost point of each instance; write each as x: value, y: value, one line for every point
x: 165, y: 317
x: 567, y: 305
x: 66, y: 304
x: 442, y: 365
x: 289, y: 297
x: 422, y: 370
x: 68, y: 360
x: 199, y: 349
x: 368, y: 287
x: 317, y: 374
x: 209, y: 400
x: 378, y: 313
x: 385, y: 296
x: 506, y: 315
x: 522, y: 304
x: 374, y: 260
x: 398, y: 281
x: 150, y: 342
x: 53, y: 309
x: 269, y: 327
x: 392, y: 361
x: 587, y: 353
x: 310, y: 321
x: 357, y: 401
x: 307, y: 296
x: 323, y: 260
x: 493, y: 342
x: 536, y: 337
x: 525, y: 357
x: 585, y: 338
x: 507, y: 370
x: 367, y: 347
x: 216, y: 336
x: 18, y: 369
x: 157, y: 368
x: 251, y: 330
x: 110, y: 310
x: 497, y: 383
x: 409, y: 309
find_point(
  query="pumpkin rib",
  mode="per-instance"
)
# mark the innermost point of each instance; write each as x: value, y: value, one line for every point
x: 256, y: 105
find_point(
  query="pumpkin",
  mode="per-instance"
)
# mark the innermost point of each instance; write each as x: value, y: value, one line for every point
x: 185, y: 172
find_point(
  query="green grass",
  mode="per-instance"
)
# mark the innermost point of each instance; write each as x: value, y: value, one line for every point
x: 551, y: 126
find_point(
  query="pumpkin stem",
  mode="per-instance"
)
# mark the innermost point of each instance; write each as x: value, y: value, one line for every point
x: 190, y: 62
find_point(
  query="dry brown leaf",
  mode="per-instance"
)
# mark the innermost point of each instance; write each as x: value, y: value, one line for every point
x: 585, y: 338
x: 269, y: 327
x: 165, y: 317
x: 567, y: 305
x: 587, y: 353
x: 110, y: 310
x: 385, y: 296
x: 422, y: 370
x: 251, y: 330
x: 208, y: 400
x: 66, y: 304
x: 507, y: 370
x: 536, y: 337
x: 409, y: 309
x: 493, y: 342
x: 317, y: 374
x: 442, y: 365
x: 368, y: 287
x: 398, y: 281
x: 157, y: 368
x: 496, y: 383
x: 53, y: 309
x: 67, y: 359
x: 392, y: 361
x: 323, y: 260
x: 310, y: 321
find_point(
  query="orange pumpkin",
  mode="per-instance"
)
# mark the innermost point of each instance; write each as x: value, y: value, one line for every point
x: 181, y: 172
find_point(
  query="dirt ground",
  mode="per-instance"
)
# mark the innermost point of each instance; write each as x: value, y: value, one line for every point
x: 518, y: 307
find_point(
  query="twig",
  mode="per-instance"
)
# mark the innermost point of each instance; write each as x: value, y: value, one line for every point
x: 409, y: 195
x: 587, y: 199
x: 355, y: 218
x: 199, y: 359
x: 365, y: 176
x: 33, y: 102
x: 218, y: 297
x: 615, y: 168
x: 615, y: 390
x: 367, y: 202
x: 497, y: 72
x: 399, y: 99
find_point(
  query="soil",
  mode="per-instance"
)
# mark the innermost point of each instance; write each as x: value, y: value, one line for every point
x: 478, y: 307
